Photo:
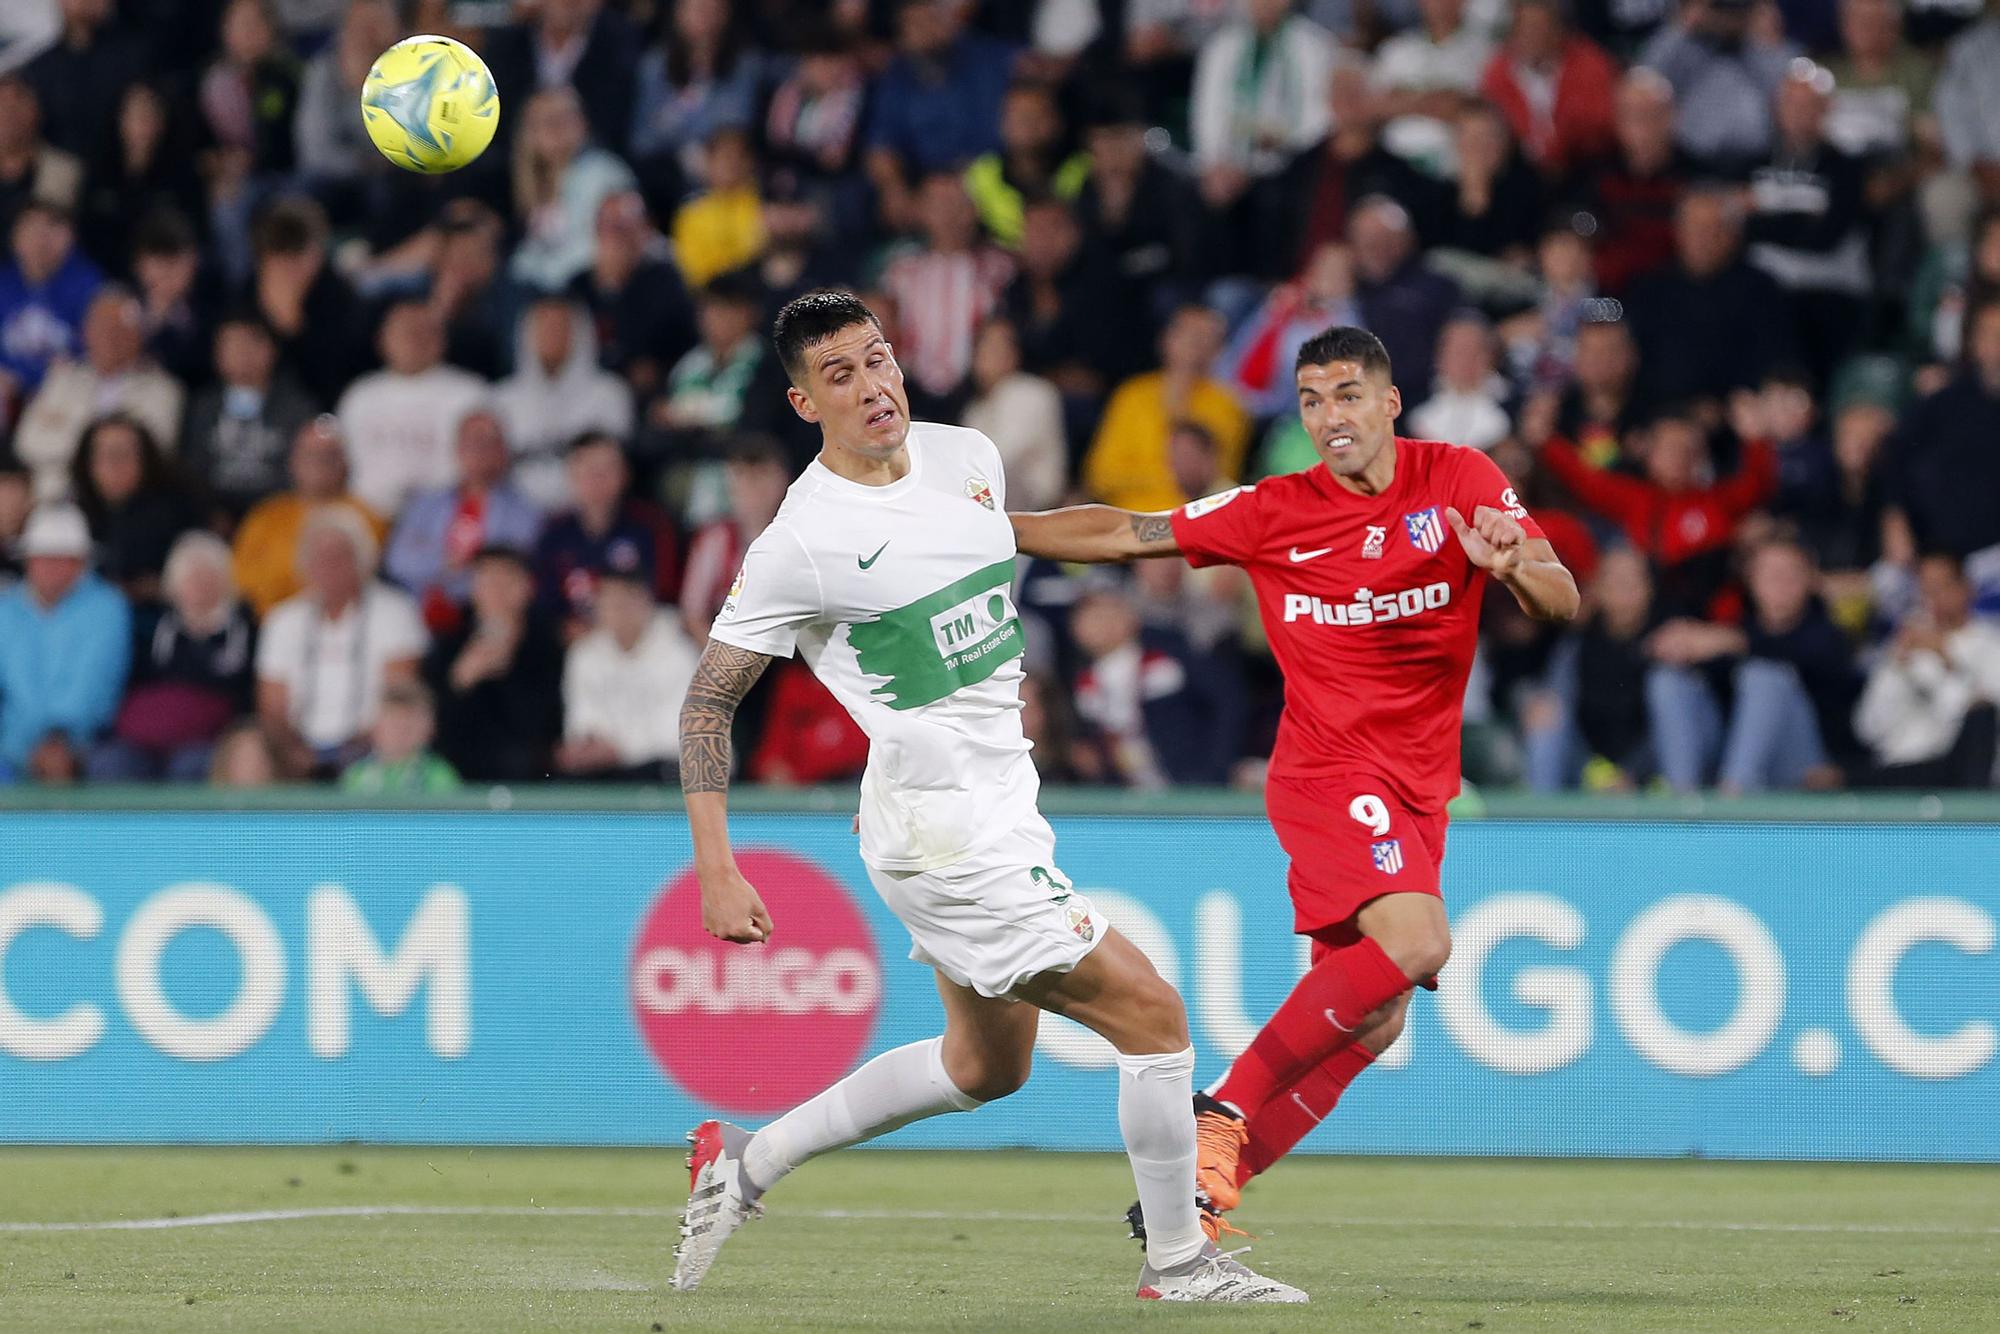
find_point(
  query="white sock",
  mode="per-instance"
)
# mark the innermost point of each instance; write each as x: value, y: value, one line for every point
x: 1156, y: 1115
x: 896, y: 1088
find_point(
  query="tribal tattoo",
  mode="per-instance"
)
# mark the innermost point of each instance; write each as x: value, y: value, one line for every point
x: 721, y: 679
x: 1153, y: 527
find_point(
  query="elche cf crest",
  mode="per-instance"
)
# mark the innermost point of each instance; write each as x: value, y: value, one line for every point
x: 977, y: 489
x: 1426, y: 529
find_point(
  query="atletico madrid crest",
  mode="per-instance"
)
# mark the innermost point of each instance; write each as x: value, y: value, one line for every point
x: 1388, y: 855
x: 977, y: 489
x: 1426, y: 529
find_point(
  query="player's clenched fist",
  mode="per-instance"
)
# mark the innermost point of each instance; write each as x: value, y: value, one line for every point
x: 731, y: 910
x: 1493, y: 540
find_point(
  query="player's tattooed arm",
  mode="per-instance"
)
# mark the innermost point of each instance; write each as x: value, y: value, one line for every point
x: 708, y: 715
x: 1095, y: 534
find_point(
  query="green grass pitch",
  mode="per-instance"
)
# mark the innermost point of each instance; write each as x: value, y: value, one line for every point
x: 447, y: 1239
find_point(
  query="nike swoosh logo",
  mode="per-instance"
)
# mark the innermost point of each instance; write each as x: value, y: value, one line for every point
x: 1336, y: 1023
x: 1300, y: 556
x: 864, y: 564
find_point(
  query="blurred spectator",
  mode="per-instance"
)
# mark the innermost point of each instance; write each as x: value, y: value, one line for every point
x: 17, y: 499
x: 468, y: 290
x: 309, y: 306
x: 1032, y: 160
x: 1946, y: 469
x: 1968, y: 109
x: 400, y: 422
x: 399, y: 761
x: 267, y: 541
x: 240, y: 428
x: 1069, y: 314
x: 1807, y: 222
x: 498, y: 677
x: 1135, y: 211
x: 607, y: 532
x: 560, y: 179
x: 644, y: 318
x: 722, y: 227
x: 1540, y: 343
x: 813, y: 127
x: 1128, y: 464
x: 65, y: 646
x: 133, y: 499
x: 1266, y: 345
x: 1154, y: 711
x: 706, y: 394
x: 1590, y: 719
x: 1598, y: 410
x: 1710, y: 322
x: 1261, y: 86
x: 578, y: 45
x: 948, y: 286
x: 330, y: 141
x: 191, y: 676
x: 326, y: 655
x: 81, y: 78
x: 1465, y: 405
x: 249, y: 94
x: 1195, y: 461
x: 1928, y: 711
x: 44, y: 292
x: 1045, y: 721
x: 702, y: 77
x: 114, y: 376
x: 1632, y: 194
x: 1554, y: 87
x: 1725, y: 70
x: 807, y: 736
x: 937, y: 106
x: 622, y: 687
x: 557, y: 392
x: 31, y: 167
x: 244, y: 758
x: 756, y: 477
x: 1426, y: 76
x: 1404, y: 303
x: 1021, y: 414
x: 166, y: 273
x: 439, y: 532
x: 1496, y: 210
x: 799, y: 250
x: 26, y: 31
x: 1792, y: 687
x: 1683, y: 523
x: 1307, y: 205
x: 147, y: 168
x: 1882, y: 85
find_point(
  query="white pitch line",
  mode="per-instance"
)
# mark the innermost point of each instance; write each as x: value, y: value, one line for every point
x: 244, y: 1217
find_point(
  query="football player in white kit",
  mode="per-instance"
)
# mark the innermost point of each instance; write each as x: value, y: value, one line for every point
x: 889, y: 569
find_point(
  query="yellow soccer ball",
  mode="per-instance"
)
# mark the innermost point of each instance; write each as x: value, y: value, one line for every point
x: 430, y: 105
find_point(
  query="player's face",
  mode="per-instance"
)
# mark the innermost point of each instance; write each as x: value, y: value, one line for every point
x: 854, y: 392
x: 1350, y: 413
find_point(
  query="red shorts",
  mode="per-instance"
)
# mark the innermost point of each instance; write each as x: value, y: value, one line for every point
x: 1350, y: 841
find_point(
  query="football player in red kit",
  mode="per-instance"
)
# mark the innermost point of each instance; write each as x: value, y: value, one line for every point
x: 1369, y: 571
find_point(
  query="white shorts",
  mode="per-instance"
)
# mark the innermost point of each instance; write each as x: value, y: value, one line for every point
x: 997, y: 918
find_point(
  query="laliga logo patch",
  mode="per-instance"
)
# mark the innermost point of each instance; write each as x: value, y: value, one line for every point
x: 976, y: 488
x: 1194, y: 509
x: 754, y: 1029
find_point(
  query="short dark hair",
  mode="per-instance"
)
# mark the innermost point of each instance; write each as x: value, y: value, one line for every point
x: 1344, y: 342
x: 591, y: 439
x: 506, y: 555
x: 809, y: 320
x: 755, y: 450
x: 165, y: 231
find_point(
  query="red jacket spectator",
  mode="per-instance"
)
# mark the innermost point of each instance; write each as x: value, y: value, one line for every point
x: 1574, y: 123
x: 808, y: 737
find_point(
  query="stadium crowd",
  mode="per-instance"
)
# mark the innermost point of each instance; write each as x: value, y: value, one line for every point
x: 317, y: 469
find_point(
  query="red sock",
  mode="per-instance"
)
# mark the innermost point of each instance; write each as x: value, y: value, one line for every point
x: 1288, y: 1118
x: 1316, y: 1020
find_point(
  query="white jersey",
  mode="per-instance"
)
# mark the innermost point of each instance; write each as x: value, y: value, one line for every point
x: 900, y: 599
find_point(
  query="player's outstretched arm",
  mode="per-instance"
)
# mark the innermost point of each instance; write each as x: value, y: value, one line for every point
x: 1094, y: 534
x: 730, y: 906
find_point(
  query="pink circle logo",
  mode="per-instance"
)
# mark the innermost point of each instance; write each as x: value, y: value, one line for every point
x: 758, y: 1028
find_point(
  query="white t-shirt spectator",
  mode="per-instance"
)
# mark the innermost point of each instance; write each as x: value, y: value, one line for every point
x: 1463, y: 416
x: 1912, y: 710
x: 543, y: 412
x: 332, y: 671
x: 1022, y: 415
x: 72, y: 397
x: 401, y: 430
x: 1255, y: 108
x: 632, y: 700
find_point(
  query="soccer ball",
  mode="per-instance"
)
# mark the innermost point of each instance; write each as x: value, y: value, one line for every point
x: 429, y: 104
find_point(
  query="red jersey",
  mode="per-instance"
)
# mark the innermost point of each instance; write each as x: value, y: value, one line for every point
x: 1371, y: 606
